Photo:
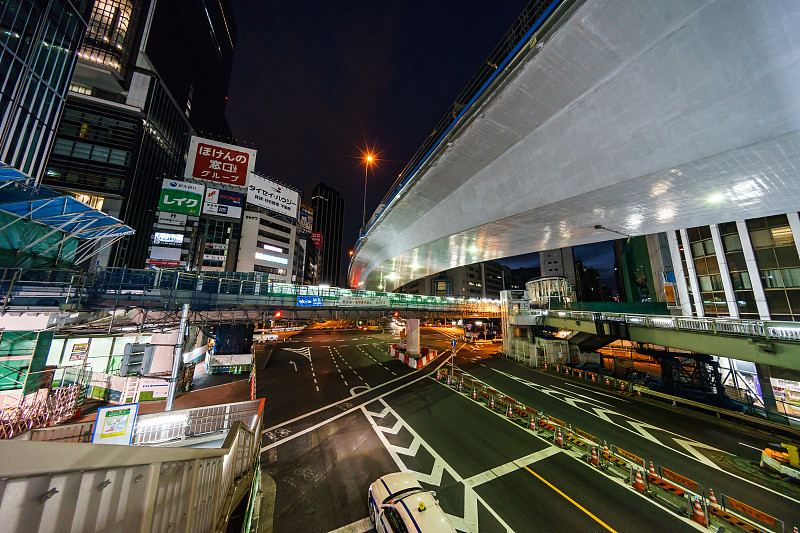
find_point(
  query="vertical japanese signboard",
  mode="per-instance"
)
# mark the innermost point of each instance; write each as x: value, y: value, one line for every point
x: 305, y: 221
x: 220, y: 162
x: 270, y: 195
x: 316, y: 238
x: 181, y: 197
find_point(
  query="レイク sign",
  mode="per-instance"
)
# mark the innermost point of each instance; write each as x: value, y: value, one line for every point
x: 181, y: 197
x: 270, y: 195
x: 220, y: 162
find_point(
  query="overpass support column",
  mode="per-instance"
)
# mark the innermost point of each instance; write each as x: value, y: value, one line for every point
x: 768, y: 394
x: 725, y: 274
x: 680, y: 278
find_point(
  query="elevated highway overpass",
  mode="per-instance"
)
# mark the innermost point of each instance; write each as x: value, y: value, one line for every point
x: 632, y: 116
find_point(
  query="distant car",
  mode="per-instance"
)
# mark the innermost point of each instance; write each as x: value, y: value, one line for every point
x: 398, y: 504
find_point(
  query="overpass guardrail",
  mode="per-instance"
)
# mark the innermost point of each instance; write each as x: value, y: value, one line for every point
x: 168, y: 289
x: 756, y: 329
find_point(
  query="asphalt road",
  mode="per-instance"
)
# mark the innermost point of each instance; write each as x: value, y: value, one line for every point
x: 340, y: 412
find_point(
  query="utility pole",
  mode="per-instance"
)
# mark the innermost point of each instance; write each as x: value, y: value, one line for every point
x: 176, y: 359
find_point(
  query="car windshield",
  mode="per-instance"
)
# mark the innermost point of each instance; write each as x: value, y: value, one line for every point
x: 396, y: 497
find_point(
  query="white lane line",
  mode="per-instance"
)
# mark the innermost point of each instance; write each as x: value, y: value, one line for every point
x: 582, y: 396
x: 511, y: 466
x: 588, y: 389
x: 300, y: 417
x: 317, y: 389
x: 748, y: 446
x: 345, y: 383
x: 637, y: 428
x: 358, y: 526
x: 469, y: 522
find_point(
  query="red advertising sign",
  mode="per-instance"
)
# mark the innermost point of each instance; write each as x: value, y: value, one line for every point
x: 316, y: 238
x: 163, y: 262
x: 220, y: 162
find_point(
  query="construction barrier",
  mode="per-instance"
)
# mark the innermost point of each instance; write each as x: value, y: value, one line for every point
x: 669, y: 488
x: 414, y: 362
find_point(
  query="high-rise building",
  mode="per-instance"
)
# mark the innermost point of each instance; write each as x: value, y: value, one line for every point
x: 38, y: 43
x: 149, y: 74
x: 479, y: 280
x: 328, y: 220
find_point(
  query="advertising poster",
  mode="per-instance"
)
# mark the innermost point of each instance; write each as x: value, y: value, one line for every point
x: 79, y: 351
x: 220, y: 162
x: 223, y: 203
x: 316, y: 238
x: 305, y: 221
x: 181, y: 197
x: 349, y: 300
x: 270, y: 195
x: 114, y: 424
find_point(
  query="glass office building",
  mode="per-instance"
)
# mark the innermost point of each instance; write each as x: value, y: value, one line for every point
x: 38, y: 44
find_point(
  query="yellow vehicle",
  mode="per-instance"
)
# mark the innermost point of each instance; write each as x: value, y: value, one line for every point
x: 782, y: 459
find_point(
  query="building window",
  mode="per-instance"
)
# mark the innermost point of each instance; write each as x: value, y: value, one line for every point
x: 778, y: 264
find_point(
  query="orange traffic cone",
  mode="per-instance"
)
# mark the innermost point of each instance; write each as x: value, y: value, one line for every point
x: 510, y: 412
x: 491, y: 403
x: 697, y: 514
x: 638, y: 482
x: 653, y: 472
x: 712, y: 500
x: 605, y: 447
x: 595, y: 460
x: 559, y: 439
x: 474, y: 392
x: 608, y: 383
x: 532, y: 425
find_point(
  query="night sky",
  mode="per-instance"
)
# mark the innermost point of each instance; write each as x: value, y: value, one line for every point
x: 314, y: 83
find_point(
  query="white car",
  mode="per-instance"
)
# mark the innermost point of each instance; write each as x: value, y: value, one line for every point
x: 398, y: 504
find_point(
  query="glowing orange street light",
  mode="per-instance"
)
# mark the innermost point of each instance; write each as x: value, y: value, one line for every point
x: 369, y: 159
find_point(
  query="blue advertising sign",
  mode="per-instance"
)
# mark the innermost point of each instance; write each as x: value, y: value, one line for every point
x: 223, y: 203
x: 309, y: 301
x: 453, y: 343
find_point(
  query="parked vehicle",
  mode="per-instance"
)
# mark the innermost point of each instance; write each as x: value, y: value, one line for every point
x: 398, y: 504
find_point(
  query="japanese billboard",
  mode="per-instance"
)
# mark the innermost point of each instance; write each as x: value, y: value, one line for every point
x: 223, y: 203
x: 350, y: 300
x: 181, y: 197
x: 171, y: 219
x: 316, y: 238
x: 220, y: 162
x: 269, y: 195
x: 305, y: 221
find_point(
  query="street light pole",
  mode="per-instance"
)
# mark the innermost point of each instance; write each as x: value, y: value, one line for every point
x: 367, y: 162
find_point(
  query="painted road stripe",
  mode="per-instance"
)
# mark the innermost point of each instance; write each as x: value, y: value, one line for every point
x: 512, y: 466
x: 359, y: 526
x: 573, y: 502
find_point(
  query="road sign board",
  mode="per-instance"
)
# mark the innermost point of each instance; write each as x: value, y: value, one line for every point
x: 453, y: 349
x: 453, y: 343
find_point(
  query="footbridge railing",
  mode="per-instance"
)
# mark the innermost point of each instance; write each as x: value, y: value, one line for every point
x: 67, y: 484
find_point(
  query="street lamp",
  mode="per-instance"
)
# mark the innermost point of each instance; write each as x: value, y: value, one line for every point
x: 369, y: 159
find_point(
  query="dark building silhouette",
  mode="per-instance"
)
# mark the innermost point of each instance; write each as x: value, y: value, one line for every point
x: 149, y: 75
x: 328, y: 220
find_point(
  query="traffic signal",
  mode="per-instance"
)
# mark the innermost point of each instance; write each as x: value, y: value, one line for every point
x: 278, y: 314
x: 136, y: 359
x: 396, y: 313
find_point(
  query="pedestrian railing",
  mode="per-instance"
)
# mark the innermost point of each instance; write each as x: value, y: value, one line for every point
x: 77, y: 487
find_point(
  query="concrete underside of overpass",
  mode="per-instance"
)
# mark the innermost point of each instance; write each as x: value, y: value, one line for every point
x: 635, y: 115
